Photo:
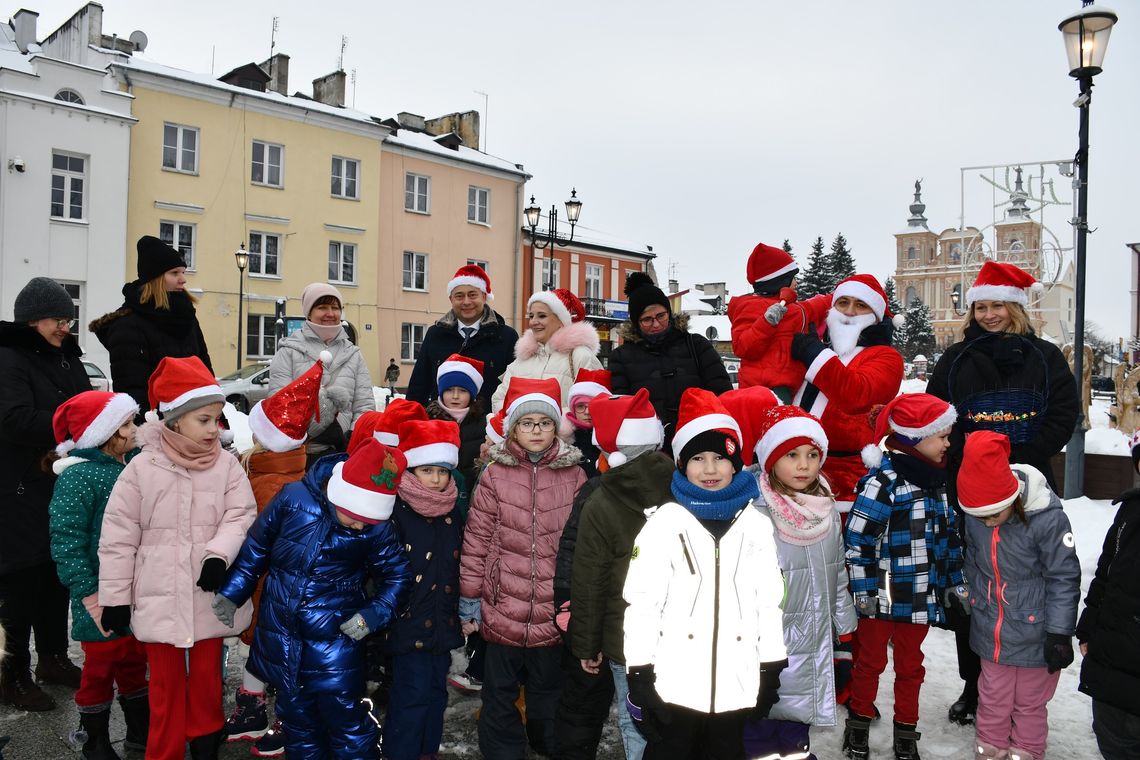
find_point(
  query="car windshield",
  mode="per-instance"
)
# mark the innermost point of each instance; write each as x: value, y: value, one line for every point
x: 92, y: 370
x: 245, y: 372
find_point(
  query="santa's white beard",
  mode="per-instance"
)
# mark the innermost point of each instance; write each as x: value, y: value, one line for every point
x: 844, y: 331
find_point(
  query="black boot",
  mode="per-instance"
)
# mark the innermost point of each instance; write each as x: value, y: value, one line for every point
x: 19, y: 690
x: 962, y: 711
x: 136, y: 713
x: 58, y: 669
x: 857, y: 738
x: 206, y: 747
x: 906, y: 741
x: 98, y: 744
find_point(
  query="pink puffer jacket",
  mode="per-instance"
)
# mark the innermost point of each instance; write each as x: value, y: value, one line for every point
x: 162, y: 521
x: 511, y: 542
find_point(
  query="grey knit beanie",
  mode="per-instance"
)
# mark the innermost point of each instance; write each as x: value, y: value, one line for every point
x: 41, y: 298
x: 531, y: 407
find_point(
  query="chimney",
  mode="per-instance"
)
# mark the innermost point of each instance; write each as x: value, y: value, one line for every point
x: 24, y: 23
x: 277, y: 68
x: 465, y: 125
x: 674, y: 286
x: 412, y: 121
x: 329, y: 89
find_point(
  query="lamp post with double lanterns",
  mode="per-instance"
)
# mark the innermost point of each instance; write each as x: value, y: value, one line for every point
x: 550, y: 240
x: 1086, y: 35
x: 242, y: 259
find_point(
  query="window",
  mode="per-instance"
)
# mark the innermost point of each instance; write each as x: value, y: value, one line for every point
x: 260, y: 336
x: 411, y: 339
x: 345, y: 172
x: 956, y: 253
x: 69, y: 96
x: 180, y: 148
x: 268, y: 163
x: 551, y: 273
x: 415, y: 271
x: 342, y: 262
x: 1016, y: 246
x: 180, y: 236
x: 484, y: 265
x: 264, y: 254
x: 911, y: 296
x: 68, y: 177
x: 912, y: 252
x: 417, y: 193
x: 478, y: 203
x: 593, y: 281
x: 74, y: 289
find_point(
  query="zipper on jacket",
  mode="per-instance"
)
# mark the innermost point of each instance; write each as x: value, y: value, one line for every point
x: 716, y: 620
x: 998, y: 596
x: 685, y: 549
x: 533, y: 541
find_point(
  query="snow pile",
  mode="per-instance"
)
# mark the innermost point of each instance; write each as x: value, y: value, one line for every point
x: 914, y: 385
x: 1107, y: 441
x: 239, y: 426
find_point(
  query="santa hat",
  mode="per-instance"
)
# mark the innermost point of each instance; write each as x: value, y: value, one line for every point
x: 89, y: 419
x: 281, y: 422
x: 364, y: 485
x: 784, y: 428
x: 590, y: 383
x: 495, y: 426
x: 527, y: 396
x: 1002, y: 282
x: 181, y: 385
x: 748, y: 406
x: 701, y: 412
x: 475, y: 277
x: 384, y: 426
x: 986, y: 484
x: 621, y: 421
x: 868, y: 290
x: 434, y: 442
x: 766, y: 263
x: 912, y: 416
x: 460, y: 371
x: 564, y: 304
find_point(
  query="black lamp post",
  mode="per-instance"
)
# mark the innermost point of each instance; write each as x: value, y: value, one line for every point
x: 1086, y: 38
x: 242, y: 259
x: 533, y: 212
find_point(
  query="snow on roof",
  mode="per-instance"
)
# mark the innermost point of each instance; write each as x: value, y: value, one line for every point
x: 700, y: 324
x: 427, y: 143
x: 692, y: 304
x: 10, y: 56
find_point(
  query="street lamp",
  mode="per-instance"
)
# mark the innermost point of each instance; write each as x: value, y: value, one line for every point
x: 533, y: 212
x: 242, y: 259
x: 1086, y: 38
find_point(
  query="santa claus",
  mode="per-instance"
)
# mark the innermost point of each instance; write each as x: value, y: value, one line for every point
x: 847, y: 376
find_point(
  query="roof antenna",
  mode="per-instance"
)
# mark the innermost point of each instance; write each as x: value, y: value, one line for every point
x: 343, y: 45
x: 272, y: 45
x: 354, y: 88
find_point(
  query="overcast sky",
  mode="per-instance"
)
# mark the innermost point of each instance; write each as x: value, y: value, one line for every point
x: 703, y: 128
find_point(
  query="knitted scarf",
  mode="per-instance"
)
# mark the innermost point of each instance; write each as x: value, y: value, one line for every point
x: 800, y: 519
x: 714, y: 505
x: 425, y: 501
x: 577, y: 423
x: 187, y: 453
x: 456, y: 414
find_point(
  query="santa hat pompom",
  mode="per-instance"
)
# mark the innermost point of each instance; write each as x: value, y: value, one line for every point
x: 898, y: 320
x: 871, y: 455
x: 1037, y: 287
x: 325, y: 356
x: 616, y: 459
x: 151, y: 416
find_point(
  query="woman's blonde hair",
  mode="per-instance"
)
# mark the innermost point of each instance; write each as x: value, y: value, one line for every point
x: 1018, y: 319
x: 816, y: 488
x: 154, y: 291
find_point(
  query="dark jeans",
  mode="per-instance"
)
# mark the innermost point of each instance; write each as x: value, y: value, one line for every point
x: 693, y: 735
x: 416, y: 702
x: 501, y: 732
x: 776, y: 738
x: 582, y: 709
x: 33, y: 599
x: 969, y: 664
x: 1117, y: 732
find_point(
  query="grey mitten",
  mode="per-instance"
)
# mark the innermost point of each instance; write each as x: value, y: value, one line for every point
x: 355, y: 628
x: 866, y: 605
x: 957, y: 598
x: 224, y: 610
x: 774, y: 313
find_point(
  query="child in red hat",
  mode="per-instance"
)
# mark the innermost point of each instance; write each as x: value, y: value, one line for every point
x: 588, y: 385
x: 459, y: 380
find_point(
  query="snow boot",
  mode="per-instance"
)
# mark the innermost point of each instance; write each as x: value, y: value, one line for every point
x: 1021, y: 754
x: 136, y: 714
x: 906, y: 741
x: 249, y: 720
x: 989, y: 752
x: 857, y: 738
x: 97, y: 726
x: 206, y: 747
x: 962, y: 712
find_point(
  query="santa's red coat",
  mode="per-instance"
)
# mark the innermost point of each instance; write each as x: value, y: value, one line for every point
x: 765, y: 351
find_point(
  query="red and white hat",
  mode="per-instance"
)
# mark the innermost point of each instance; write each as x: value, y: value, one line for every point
x: 89, y: 419
x: 364, y: 485
x: 495, y: 426
x: 1002, y: 282
x: 748, y: 406
x: 913, y: 416
x: 564, y: 304
x: 460, y: 371
x: 474, y: 276
x: 527, y: 396
x: 766, y: 263
x: 784, y: 428
x: 281, y: 421
x: 590, y: 383
x: 986, y: 484
x: 624, y: 421
x: 870, y: 291
x: 430, y: 442
x: 699, y: 412
x: 181, y: 385
x: 384, y: 426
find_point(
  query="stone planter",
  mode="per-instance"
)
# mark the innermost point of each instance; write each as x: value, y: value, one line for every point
x: 1106, y: 476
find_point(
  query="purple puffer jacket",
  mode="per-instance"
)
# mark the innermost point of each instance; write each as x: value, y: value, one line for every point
x: 511, y: 542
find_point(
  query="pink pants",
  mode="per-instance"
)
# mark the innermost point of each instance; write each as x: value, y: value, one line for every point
x: 1012, y: 706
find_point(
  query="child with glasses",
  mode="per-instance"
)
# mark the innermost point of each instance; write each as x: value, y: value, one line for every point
x: 506, y: 577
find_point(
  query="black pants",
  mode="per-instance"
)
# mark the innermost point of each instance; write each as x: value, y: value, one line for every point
x: 501, y: 732
x: 582, y: 709
x: 33, y: 599
x: 969, y: 664
x: 1117, y: 732
x: 693, y: 735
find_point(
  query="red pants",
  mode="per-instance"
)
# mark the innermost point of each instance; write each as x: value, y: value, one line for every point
x: 185, y: 696
x: 120, y: 661
x: 871, y: 660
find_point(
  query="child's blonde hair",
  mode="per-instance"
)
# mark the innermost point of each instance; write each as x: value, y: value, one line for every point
x: 815, y: 488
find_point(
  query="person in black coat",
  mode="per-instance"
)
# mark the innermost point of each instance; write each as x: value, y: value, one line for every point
x: 659, y: 354
x: 40, y: 368
x: 157, y: 319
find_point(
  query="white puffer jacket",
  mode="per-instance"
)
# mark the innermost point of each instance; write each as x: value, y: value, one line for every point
x: 680, y: 596
x: 571, y: 348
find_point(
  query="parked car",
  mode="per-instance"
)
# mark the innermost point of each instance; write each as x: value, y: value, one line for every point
x: 247, y: 386
x: 1103, y: 386
x: 99, y: 381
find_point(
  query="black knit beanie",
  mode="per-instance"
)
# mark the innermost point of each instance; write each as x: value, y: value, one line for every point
x: 772, y: 287
x: 156, y: 258
x: 715, y: 441
x: 642, y: 294
x: 41, y: 298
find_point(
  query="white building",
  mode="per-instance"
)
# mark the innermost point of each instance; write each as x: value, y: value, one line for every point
x: 64, y: 145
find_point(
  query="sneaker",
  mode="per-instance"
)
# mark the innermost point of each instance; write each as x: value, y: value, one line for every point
x: 465, y: 682
x: 57, y: 669
x: 249, y: 720
x: 272, y: 744
x: 20, y: 691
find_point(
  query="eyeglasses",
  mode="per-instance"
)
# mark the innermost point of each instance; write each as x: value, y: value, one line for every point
x: 62, y: 323
x: 528, y: 426
x: 647, y: 320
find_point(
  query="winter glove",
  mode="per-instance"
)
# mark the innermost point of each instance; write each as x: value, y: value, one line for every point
x: 645, y: 705
x: 769, y: 688
x: 957, y: 599
x: 355, y: 628
x: 774, y: 313
x: 807, y: 346
x: 91, y: 604
x: 224, y: 610
x: 117, y: 619
x: 212, y: 575
x: 867, y: 605
x: 1058, y: 651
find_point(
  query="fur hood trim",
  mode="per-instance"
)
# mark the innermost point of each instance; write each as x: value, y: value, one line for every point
x: 568, y: 455
x: 631, y: 334
x: 565, y: 341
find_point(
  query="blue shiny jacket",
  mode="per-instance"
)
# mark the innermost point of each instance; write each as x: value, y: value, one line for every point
x: 316, y: 573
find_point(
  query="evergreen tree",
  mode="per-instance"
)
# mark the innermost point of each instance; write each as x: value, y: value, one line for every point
x: 899, y: 336
x: 815, y: 279
x: 841, y: 264
x: 788, y: 249
x: 918, y: 332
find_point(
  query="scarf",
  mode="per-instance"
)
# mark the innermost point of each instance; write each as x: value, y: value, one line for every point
x: 714, y: 505
x: 800, y: 519
x: 577, y: 423
x: 179, y: 320
x: 327, y: 333
x: 187, y: 453
x: 456, y: 414
x: 917, y: 469
x: 425, y: 501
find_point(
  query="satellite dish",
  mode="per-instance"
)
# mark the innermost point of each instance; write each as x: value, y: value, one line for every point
x: 139, y: 40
